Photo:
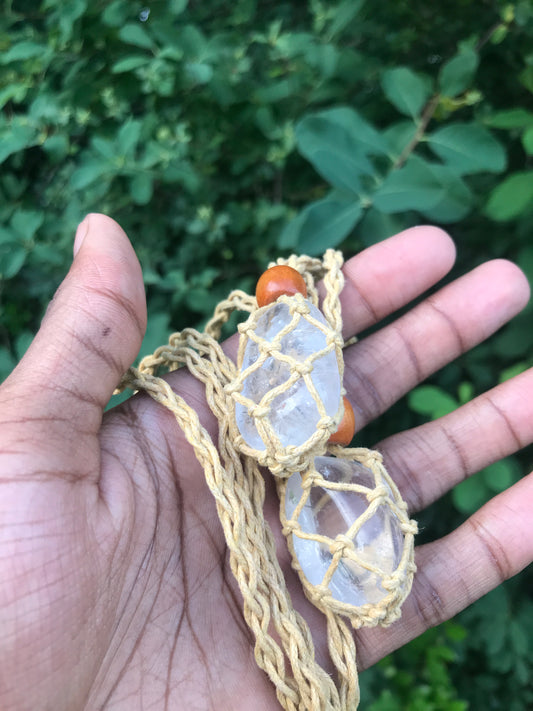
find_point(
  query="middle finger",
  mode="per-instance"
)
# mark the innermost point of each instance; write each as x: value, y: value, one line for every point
x: 386, y: 365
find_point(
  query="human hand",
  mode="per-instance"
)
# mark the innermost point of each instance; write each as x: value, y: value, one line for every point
x: 115, y: 588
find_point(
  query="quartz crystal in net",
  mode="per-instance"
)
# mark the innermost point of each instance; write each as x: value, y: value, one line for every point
x: 331, y: 512
x: 293, y: 413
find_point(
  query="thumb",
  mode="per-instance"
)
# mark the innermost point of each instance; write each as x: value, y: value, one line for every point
x: 93, y: 328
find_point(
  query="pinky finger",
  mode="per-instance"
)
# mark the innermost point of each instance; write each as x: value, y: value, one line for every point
x: 494, y: 544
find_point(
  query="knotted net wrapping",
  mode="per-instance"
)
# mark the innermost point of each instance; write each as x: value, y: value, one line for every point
x: 284, y: 647
x: 380, y: 493
x: 283, y: 460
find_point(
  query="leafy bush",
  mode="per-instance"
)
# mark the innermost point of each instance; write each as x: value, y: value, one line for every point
x: 418, y: 677
x: 223, y: 135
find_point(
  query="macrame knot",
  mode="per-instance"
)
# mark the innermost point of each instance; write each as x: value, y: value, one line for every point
x: 340, y: 545
x: 374, y: 456
x: 299, y: 307
x: 259, y: 411
x: 379, y: 493
x: 409, y: 527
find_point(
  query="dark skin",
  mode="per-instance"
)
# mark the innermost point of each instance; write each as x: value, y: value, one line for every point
x: 115, y: 588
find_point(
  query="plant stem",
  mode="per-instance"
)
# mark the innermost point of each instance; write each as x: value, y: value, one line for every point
x: 426, y: 117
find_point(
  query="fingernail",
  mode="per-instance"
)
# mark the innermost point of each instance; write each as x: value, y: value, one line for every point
x: 81, y: 233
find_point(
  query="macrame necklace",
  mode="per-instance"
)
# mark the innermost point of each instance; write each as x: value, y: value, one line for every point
x: 344, y: 520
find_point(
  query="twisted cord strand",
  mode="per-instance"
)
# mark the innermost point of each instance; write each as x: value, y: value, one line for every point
x: 239, y: 491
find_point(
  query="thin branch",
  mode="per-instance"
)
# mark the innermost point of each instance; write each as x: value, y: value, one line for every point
x: 488, y: 34
x: 426, y: 117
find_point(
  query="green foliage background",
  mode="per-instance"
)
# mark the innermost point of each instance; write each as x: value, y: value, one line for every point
x: 222, y: 135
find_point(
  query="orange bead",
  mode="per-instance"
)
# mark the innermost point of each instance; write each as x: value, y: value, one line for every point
x: 346, y: 428
x: 277, y: 281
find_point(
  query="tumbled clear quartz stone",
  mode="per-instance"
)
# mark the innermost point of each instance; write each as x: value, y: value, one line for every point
x: 331, y: 512
x: 294, y: 413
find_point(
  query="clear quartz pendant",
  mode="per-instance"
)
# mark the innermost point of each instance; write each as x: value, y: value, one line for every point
x: 294, y: 414
x: 330, y: 512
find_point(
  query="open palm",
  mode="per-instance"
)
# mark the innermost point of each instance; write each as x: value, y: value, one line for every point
x: 115, y: 588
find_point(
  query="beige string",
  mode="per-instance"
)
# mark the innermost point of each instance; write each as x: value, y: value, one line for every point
x: 236, y: 482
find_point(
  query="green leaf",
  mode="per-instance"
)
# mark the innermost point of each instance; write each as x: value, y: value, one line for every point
x: 337, y: 143
x: 57, y: 147
x: 324, y: 58
x: 512, y: 371
x: 342, y: 171
x: 116, y: 13
x: 431, y: 400
x: 7, y: 363
x: 526, y: 78
x: 126, y: 64
x: 49, y: 254
x: 176, y: 7
x: 12, y: 258
x: 297, y: 44
x: 326, y: 223
x: 16, y: 138
x: 200, y: 299
x: 500, y: 475
x: 511, y: 118
x: 511, y: 198
x: 519, y: 638
x: 157, y: 332
x: 399, y: 135
x: 265, y: 121
x: 153, y: 153
x: 14, y: 187
x: 457, y: 200
x: 288, y: 238
x: 344, y: 14
x: 523, y: 12
x: 105, y: 147
x: 22, y: 51
x: 407, y: 91
x: 128, y: 137
x: 527, y: 141
x: 344, y: 127
x: 70, y: 12
x: 141, y: 188
x: 465, y: 392
x: 192, y: 41
x: 46, y: 109
x: 198, y: 72
x: 470, y: 494
x: 457, y: 705
x: 23, y: 342
x: 175, y: 54
x: 525, y: 261
x: 13, y: 92
x: 457, y: 74
x: 25, y: 223
x: 87, y: 173
x: 468, y: 148
x: 515, y: 341
x: 182, y: 173
x: 274, y: 92
x: 412, y: 187
x: 137, y: 35
x: 377, y: 226
x: 7, y: 238
x: 499, y: 34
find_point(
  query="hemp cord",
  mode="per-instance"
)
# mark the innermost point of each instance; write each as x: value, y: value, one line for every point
x: 284, y: 647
